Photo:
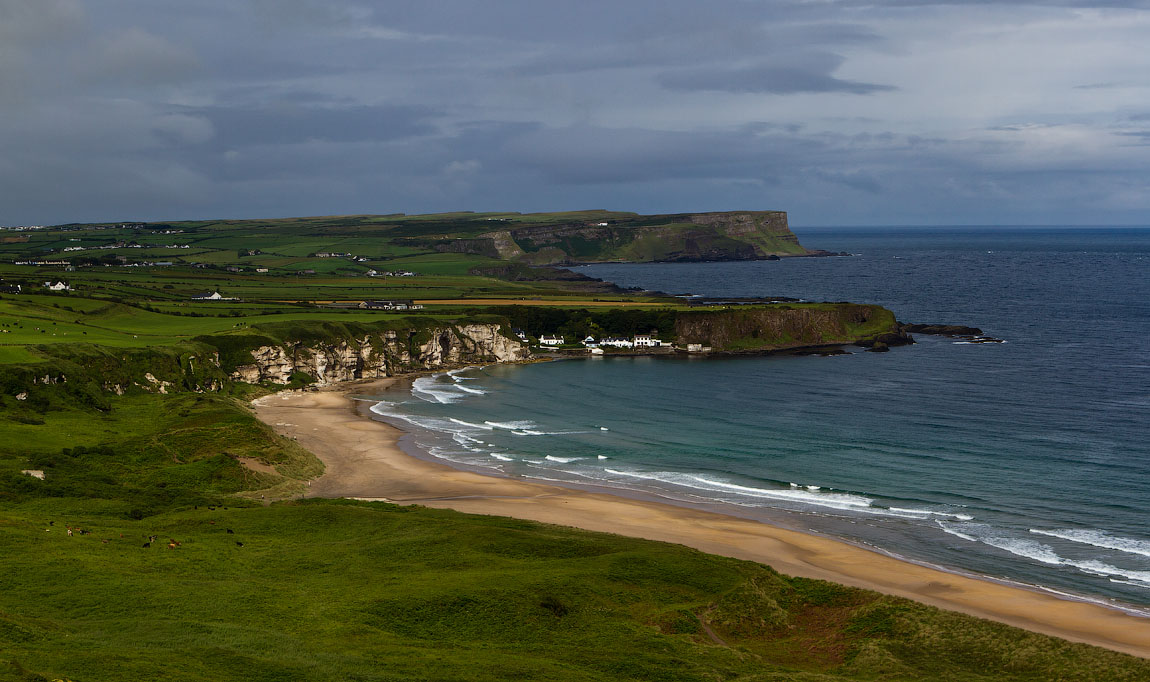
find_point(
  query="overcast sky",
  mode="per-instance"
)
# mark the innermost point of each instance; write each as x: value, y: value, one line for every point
x: 841, y: 112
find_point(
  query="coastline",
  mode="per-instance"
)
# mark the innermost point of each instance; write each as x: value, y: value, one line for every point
x: 364, y: 460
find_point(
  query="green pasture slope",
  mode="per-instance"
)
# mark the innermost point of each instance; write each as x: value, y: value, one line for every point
x: 344, y: 590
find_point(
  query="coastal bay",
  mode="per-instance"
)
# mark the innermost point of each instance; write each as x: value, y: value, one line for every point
x: 364, y: 461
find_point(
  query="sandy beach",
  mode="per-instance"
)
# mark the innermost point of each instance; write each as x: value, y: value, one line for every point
x: 364, y: 460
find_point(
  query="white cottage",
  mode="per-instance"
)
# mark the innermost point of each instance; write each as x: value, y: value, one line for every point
x: 550, y: 340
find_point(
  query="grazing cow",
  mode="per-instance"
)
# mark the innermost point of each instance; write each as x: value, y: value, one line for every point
x: 231, y: 532
x: 239, y: 544
x: 147, y: 544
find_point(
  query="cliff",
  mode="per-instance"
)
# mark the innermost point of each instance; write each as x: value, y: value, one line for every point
x: 283, y: 355
x: 379, y: 355
x: 733, y: 235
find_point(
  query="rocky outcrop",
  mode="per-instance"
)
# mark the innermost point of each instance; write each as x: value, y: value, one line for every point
x: 782, y: 328
x: 380, y: 355
x: 954, y: 331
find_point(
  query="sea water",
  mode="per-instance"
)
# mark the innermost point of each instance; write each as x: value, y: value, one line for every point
x: 1026, y: 461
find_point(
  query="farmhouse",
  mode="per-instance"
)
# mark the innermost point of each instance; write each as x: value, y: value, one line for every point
x: 212, y: 296
x: 9, y: 288
x: 550, y: 340
x: 58, y: 286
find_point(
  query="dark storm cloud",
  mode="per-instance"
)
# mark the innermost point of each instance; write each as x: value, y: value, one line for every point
x: 284, y: 123
x: 849, y: 111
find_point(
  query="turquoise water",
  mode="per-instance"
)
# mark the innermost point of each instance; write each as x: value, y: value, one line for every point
x: 1025, y: 461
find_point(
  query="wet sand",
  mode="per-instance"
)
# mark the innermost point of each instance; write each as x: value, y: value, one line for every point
x: 364, y: 460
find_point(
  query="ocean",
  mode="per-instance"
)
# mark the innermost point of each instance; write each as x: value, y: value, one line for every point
x: 1025, y: 461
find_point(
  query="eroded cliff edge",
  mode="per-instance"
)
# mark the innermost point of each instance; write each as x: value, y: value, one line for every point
x: 730, y: 235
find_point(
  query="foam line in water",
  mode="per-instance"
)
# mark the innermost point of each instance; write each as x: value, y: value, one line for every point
x: 1036, y: 551
x: 428, y: 389
x: 483, y: 427
x: 512, y: 425
x: 839, y: 498
x: 840, y: 501
x: 1098, y: 538
x: 502, y: 457
x: 928, y: 512
x: 561, y: 460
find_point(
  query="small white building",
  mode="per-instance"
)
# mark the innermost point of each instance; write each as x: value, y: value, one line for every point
x: 209, y: 296
x: 519, y: 333
x: 646, y: 341
x: 590, y: 342
x: 617, y: 342
x: 58, y: 286
x: 550, y: 340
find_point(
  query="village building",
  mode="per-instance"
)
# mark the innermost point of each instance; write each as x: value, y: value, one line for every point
x: 550, y: 340
x: 261, y: 269
x: 519, y: 334
x: 9, y: 288
x: 646, y: 341
x: 58, y: 286
x: 391, y: 305
x: 590, y: 342
x: 617, y: 342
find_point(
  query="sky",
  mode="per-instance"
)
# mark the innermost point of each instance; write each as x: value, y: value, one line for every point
x: 841, y: 112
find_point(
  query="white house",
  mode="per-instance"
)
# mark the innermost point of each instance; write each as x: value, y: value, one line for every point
x: 392, y: 305
x: 617, y: 342
x: 58, y: 286
x: 646, y: 340
x: 550, y: 340
x: 209, y: 296
x: 590, y: 342
x: 519, y: 333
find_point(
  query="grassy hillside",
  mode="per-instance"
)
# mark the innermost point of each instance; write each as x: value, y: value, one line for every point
x: 326, y: 591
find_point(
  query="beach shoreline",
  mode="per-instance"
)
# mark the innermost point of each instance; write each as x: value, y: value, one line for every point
x: 364, y: 460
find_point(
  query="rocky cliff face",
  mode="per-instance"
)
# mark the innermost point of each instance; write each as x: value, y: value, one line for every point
x: 380, y: 355
x: 732, y: 235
